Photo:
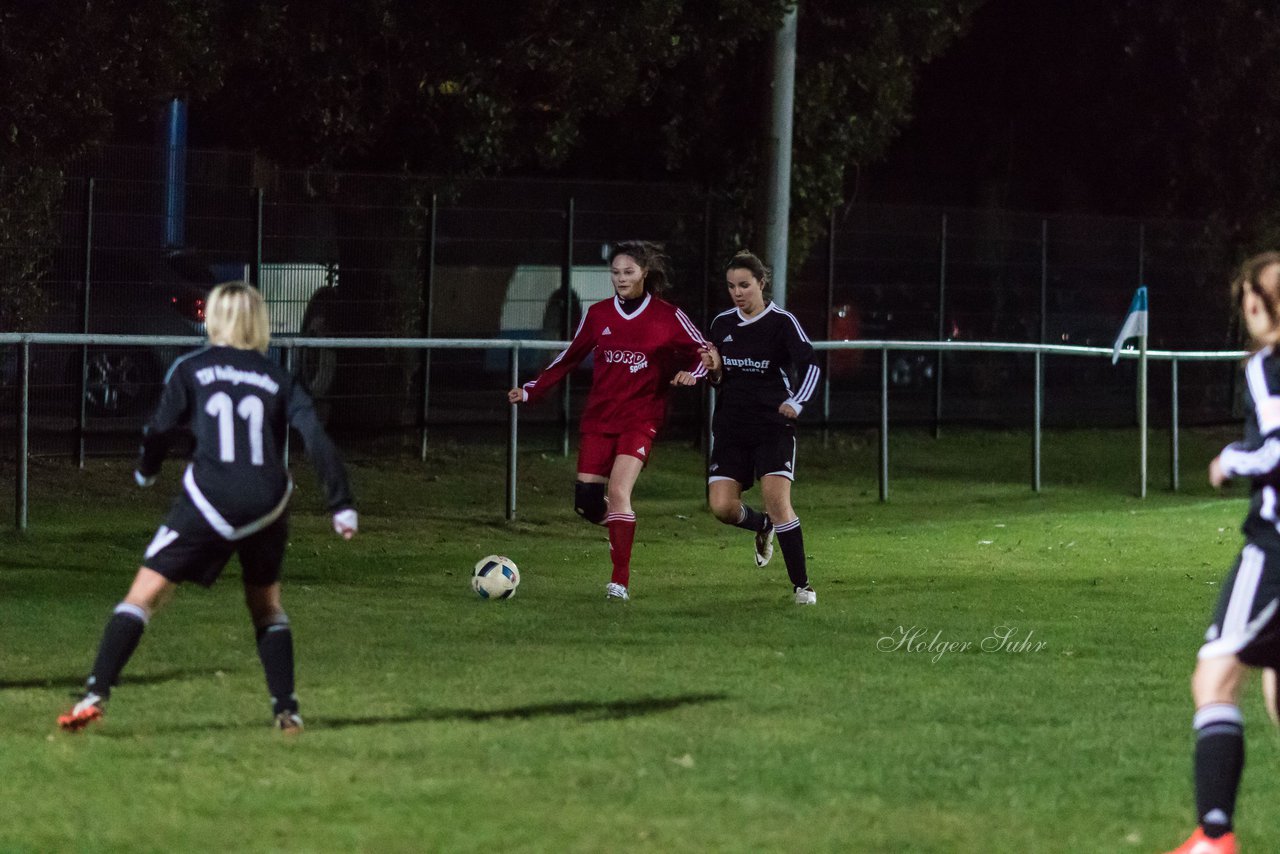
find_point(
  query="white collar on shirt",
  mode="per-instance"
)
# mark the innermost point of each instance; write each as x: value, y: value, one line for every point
x: 743, y: 320
x: 617, y: 306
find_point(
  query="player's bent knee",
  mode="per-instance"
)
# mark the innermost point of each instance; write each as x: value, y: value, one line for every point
x: 727, y: 513
x: 589, y: 503
x: 1217, y: 680
x: 274, y: 621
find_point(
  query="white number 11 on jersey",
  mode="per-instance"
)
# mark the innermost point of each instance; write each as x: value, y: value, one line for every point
x: 251, y: 410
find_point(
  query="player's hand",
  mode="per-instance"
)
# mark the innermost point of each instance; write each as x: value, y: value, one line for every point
x: 143, y: 480
x: 345, y: 523
x: 517, y: 395
x: 1217, y: 477
x: 711, y: 358
x: 787, y: 412
x: 684, y: 378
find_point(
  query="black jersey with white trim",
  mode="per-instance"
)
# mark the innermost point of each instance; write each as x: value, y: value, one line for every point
x: 768, y: 361
x: 1257, y: 456
x: 239, y: 405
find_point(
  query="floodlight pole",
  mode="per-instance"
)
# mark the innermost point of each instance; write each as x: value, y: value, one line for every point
x: 775, y: 216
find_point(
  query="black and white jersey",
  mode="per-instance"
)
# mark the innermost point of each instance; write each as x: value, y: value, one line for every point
x: 1258, y: 455
x: 239, y: 405
x: 768, y: 361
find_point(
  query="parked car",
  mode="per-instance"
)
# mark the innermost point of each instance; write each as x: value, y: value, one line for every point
x: 164, y: 293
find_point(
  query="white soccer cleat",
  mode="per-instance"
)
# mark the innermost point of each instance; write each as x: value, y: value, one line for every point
x: 764, y: 543
x: 613, y: 590
x: 806, y: 596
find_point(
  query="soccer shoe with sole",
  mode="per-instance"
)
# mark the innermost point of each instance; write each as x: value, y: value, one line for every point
x: 1201, y: 844
x: 806, y: 596
x: 764, y: 543
x: 289, y: 723
x: 613, y: 590
x: 82, y: 713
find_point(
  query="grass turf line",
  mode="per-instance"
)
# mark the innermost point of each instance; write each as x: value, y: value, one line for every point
x: 709, y: 714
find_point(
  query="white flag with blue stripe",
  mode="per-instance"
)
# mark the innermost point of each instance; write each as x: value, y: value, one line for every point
x: 1135, y: 324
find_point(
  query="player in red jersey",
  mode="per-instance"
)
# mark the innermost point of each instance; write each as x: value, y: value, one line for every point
x: 643, y: 345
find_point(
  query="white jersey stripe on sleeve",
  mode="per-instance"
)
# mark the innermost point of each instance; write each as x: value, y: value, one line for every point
x: 689, y: 327
x: 810, y: 383
x: 1237, y: 461
x: 795, y: 323
x: 533, y: 382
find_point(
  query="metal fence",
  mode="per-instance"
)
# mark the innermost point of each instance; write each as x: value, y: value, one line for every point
x: 511, y: 350
x: 132, y: 250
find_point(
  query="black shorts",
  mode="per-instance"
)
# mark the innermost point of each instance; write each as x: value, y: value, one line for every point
x: 1245, y: 622
x: 748, y: 457
x: 186, y: 548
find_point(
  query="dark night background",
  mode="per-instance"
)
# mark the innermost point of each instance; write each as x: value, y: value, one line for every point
x: 1038, y: 108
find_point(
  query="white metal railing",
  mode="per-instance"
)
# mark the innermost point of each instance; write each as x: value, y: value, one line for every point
x: 23, y: 341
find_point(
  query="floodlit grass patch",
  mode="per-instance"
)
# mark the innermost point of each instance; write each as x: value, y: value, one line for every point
x: 987, y: 669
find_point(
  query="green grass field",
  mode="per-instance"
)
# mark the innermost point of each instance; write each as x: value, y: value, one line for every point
x: 708, y: 714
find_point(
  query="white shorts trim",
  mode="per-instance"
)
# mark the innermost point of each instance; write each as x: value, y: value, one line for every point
x: 221, y: 525
x: 1238, y: 631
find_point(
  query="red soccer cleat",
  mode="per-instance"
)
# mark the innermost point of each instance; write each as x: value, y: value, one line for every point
x: 1201, y: 844
x: 82, y: 713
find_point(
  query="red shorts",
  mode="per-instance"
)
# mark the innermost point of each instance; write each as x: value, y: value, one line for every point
x: 597, y: 451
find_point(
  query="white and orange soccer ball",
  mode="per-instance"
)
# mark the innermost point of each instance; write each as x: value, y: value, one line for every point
x: 495, y: 577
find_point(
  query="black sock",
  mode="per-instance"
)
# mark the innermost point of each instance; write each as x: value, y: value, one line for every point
x: 1219, y: 760
x: 751, y: 520
x: 275, y: 650
x: 791, y: 540
x: 119, y: 640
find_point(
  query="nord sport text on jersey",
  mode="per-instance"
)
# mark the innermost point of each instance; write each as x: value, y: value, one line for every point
x: 637, y: 361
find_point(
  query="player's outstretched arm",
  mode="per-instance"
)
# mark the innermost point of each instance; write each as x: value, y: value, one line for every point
x: 584, y: 341
x: 157, y: 433
x: 323, y: 454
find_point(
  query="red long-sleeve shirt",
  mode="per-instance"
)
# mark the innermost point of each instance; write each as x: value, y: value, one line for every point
x: 636, y: 356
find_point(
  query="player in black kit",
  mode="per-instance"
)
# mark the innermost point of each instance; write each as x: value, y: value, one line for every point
x: 756, y: 351
x: 1245, y: 630
x: 239, y: 405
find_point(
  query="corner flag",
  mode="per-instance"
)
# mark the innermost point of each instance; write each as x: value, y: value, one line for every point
x: 1135, y: 324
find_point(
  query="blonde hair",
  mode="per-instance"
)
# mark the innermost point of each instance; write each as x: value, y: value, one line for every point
x: 236, y: 316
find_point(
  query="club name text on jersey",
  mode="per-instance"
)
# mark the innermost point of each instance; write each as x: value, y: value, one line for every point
x: 636, y: 361
x: 754, y: 365
x: 768, y: 363
x: 235, y: 376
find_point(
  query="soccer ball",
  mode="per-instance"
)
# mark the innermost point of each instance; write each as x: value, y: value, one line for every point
x: 495, y: 577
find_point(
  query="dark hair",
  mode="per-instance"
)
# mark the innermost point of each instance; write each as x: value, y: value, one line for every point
x: 748, y: 261
x: 651, y: 257
x: 1248, y: 278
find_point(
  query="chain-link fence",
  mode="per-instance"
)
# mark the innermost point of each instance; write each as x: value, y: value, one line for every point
x: 134, y: 246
